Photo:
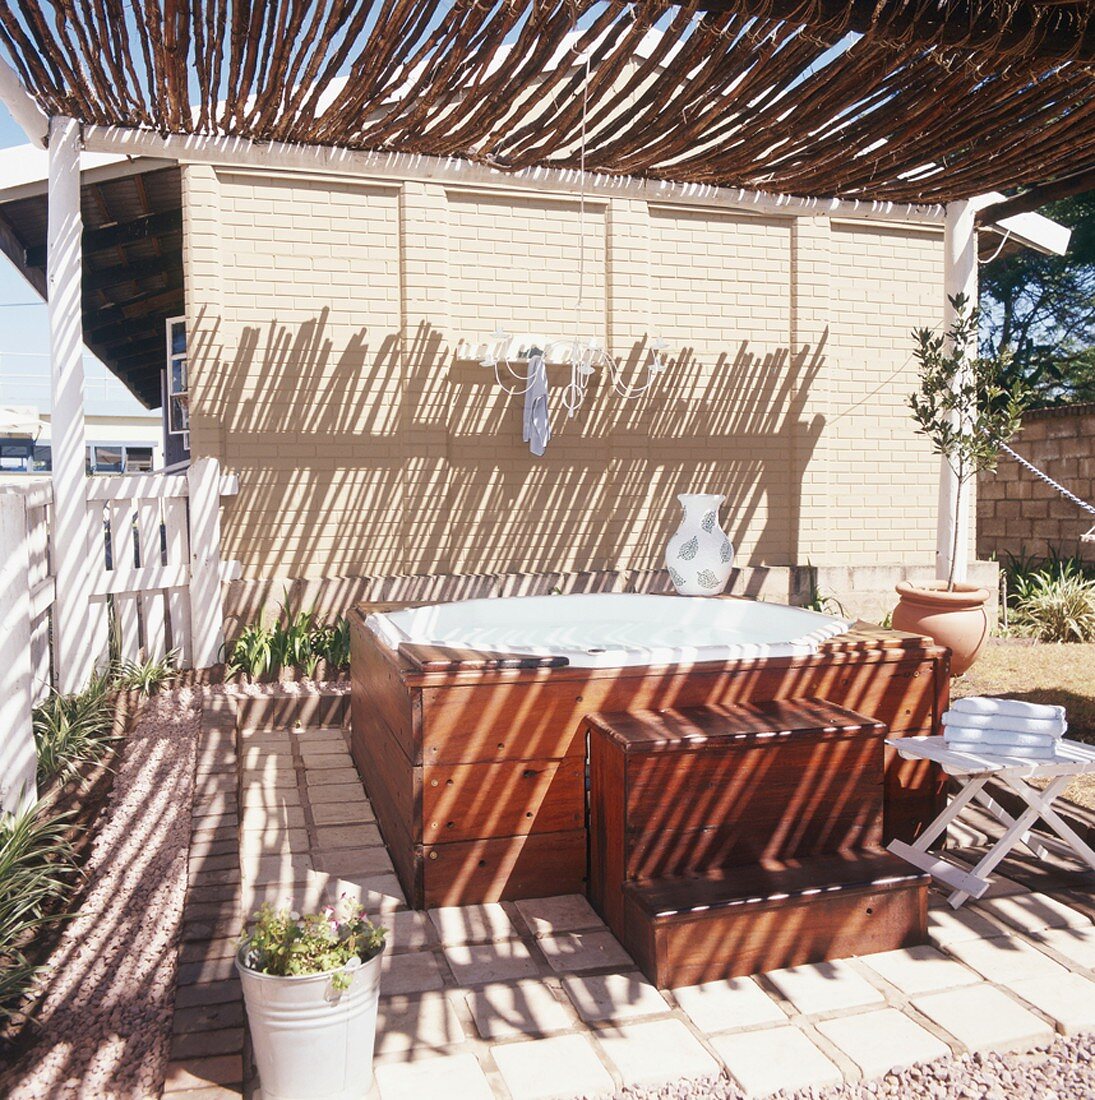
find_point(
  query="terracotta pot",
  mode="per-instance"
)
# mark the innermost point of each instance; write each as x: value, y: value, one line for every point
x: 955, y: 619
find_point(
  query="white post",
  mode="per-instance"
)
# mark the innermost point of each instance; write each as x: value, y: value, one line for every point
x: 22, y: 106
x: 72, y: 641
x: 18, y: 760
x: 206, y: 610
x: 959, y: 277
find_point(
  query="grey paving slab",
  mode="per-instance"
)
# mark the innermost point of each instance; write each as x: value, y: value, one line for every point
x: 593, y: 950
x: 1075, y: 944
x: 1034, y: 912
x: 824, y: 987
x: 1069, y: 1001
x: 916, y: 970
x: 472, y: 923
x: 416, y: 1024
x: 530, y: 1007
x: 947, y: 926
x: 984, y: 1018
x: 882, y: 1040
x: 481, y: 963
x: 416, y: 972
x: 566, y: 913
x: 773, y: 1060
x: 655, y: 1053
x: 454, y: 1077
x: 1006, y: 959
x: 722, y: 1006
x: 553, y: 1069
x: 603, y: 997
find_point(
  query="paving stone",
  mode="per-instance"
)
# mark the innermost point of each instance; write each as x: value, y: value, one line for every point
x: 408, y: 931
x: 1034, y: 912
x: 207, y: 1017
x: 268, y: 797
x: 321, y: 777
x: 211, y: 1092
x: 1069, y: 1001
x: 599, y: 997
x: 196, y: 1073
x: 947, y: 926
x: 916, y: 970
x: 1006, y: 959
x: 654, y: 1053
x: 774, y: 1059
x: 199, y: 950
x: 1075, y: 944
x: 211, y: 876
x: 208, y: 862
x: 982, y: 1018
x: 417, y: 972
x: 266, y: 818
x: 379, y: 894
x: 208, y: 970
x: 324, y: 734
x: 207, y: 993
x: 824, y: 987
x: 478, y: 964
x: 195, y: 931
x: 520, y: 1008
x: 425, y: 1022
x: 269, y: 778
x: 472, y: 923
x: 202, y: 1044
x: 353, y: 793
x: 278, y: 867
x: 722, y: 1005
x: 355, y: 862
x: 455, y: 1077
x: 884, y: 1040
x: 342, y: 813
x: 311, y: 747
x: 566, y: 913
x: 340, y: 762
x: 348, y: 836
x: 553, y: 1069
x: 594, y: 950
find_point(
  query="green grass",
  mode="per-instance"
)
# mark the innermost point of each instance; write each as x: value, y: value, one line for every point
x: 71, y: 730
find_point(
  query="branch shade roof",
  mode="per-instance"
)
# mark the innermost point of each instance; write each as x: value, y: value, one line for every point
x: 904, y: 100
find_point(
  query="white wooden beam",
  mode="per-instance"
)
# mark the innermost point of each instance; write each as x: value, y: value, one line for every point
x: 72, y: 538
x: 959, y: 277
x: 26, y: 112
x: 18, y: 760
x: 231, y: 152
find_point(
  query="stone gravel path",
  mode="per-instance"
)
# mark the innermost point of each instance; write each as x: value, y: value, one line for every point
x: 108, y: 989
x: 1063, y: 1071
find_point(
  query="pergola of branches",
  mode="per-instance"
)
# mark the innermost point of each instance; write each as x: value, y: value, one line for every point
x: 902, y: 100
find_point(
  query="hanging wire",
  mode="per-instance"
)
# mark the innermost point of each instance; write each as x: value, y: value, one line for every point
x: 1069, y: 496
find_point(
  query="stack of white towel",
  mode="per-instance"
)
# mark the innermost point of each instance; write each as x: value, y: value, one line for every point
x: 1004, y: 727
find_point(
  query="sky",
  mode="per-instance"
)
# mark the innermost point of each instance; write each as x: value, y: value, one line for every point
x: 24, y: 337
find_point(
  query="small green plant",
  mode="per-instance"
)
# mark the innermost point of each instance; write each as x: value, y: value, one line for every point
x: 961, y: 405
x: 297, y: 640
x: 252, y: 652
x: 285, y: 943
x: 292, y: 638
x: 1054, y: 604
x: 825, y: 604
x: 148, y: 676
x: 70, y: 730
x: 36, y: 865
x: 337, y: 644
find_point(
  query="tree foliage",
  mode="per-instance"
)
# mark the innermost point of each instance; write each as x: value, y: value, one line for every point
x: 1041, y: 310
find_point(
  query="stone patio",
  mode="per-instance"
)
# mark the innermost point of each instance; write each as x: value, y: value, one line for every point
x: 536, y: 999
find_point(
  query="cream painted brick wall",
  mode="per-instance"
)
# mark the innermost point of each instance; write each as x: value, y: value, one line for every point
x: 324, y: 321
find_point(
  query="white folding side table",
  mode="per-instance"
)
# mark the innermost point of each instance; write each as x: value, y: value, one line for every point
x: 973, y: 771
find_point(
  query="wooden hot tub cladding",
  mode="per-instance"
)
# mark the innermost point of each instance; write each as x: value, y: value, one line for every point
x: 476, y: 765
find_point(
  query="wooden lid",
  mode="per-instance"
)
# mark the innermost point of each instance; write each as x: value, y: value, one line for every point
x: 648, y: 730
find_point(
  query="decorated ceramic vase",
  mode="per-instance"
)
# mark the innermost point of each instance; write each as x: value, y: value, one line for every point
x: 699, y: 556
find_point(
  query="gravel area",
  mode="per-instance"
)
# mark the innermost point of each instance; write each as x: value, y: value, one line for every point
x: 281, y: 687
x: 107, y: 993
x: 1063, y: 1071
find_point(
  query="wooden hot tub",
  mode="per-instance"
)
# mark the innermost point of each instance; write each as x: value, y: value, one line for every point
x: 477, y: 771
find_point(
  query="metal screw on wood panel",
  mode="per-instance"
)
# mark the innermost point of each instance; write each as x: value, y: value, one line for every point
x: 449, y: 782
x: 433, y: 824
x: 433, y: 855
x: 433, y: 782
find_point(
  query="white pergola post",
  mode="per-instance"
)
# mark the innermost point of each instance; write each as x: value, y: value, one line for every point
x: 72, y: 641
x: 959, y: 277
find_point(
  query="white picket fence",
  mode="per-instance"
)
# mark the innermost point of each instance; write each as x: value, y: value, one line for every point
x: 155, y: 571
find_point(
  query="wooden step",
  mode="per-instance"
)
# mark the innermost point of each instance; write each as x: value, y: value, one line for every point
x: 750, y: 919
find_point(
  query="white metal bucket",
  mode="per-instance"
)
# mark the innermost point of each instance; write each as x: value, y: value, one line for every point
x: 312, y: 1041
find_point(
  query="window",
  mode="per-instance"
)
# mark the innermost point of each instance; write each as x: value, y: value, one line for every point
x: 16, y: 455
x: 138, y: 460
x: 178, y: 416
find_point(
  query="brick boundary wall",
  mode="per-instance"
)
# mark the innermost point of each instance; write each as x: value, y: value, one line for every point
x: 1018, y: 514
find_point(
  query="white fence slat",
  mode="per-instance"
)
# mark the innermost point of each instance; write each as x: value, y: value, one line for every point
x: 18, y: 760
x: 125, y: 606
x: 152, y: 603
x: 98, y: 612
x: 140, y: 579
x: 127, y: 487
x: 206, y: 610
x: 178, y: 597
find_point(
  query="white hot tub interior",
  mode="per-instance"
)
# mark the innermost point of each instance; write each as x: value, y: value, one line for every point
x: 613, y: 630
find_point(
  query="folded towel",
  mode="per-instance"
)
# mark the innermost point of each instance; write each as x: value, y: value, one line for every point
x: 1050, y: 727
x: 1017, y: 752
x: 997, y: 737
x: 981, y: 704
x: 537, y: 424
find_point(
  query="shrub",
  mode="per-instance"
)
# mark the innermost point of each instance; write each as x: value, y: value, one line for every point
x: 70, y: 730
x: 36, y: 862
x: 1054, y: 604
x: 296, y: 641
x: 147, y: 677
x: 284, y: 943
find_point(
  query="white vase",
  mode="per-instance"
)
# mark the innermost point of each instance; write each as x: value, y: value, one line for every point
x: 699, y: 556
x: 311, y: 1040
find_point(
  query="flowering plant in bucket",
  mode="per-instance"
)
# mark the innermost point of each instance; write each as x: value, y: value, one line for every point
x: 311, y: 985
x: 285, y: 943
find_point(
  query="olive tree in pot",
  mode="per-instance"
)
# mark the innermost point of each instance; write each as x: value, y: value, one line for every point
x: 966, y: 413
x: 311, y: 986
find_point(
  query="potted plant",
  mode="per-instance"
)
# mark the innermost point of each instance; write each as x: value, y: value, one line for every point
x: 967, y: 414
x: 311, y: 986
